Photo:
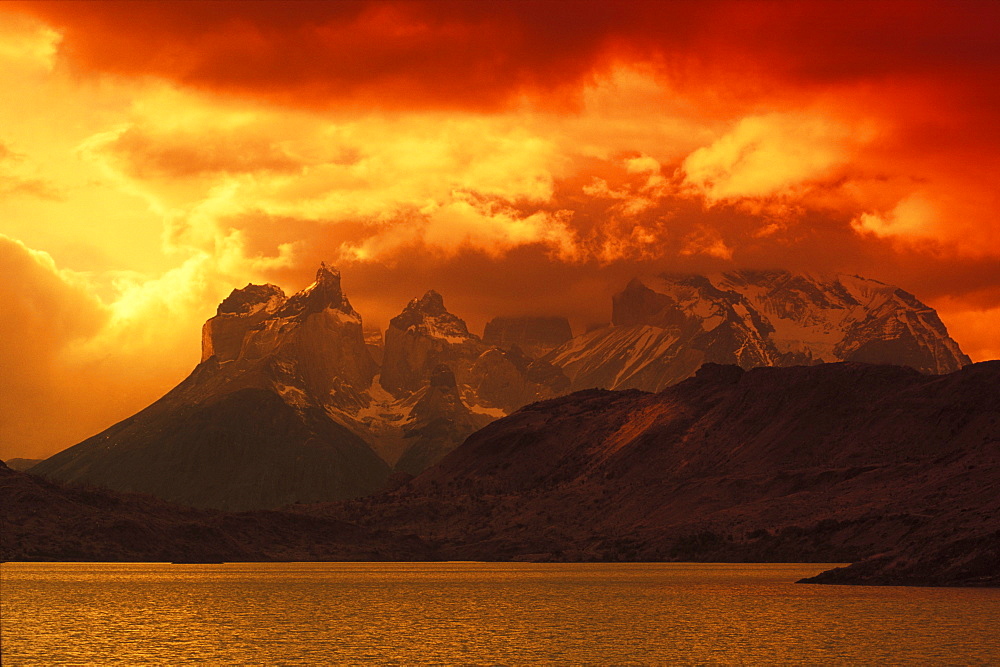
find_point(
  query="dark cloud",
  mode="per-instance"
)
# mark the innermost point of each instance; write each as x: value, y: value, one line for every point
x: 483, y: 55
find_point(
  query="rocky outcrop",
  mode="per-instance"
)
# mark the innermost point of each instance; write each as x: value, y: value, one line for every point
x: 375, y: 343
x: 258, y: 424
x: 421, y: 338
x: 437, y: 423
x: 664, y: 329
x: 222, y: 336
x: 535, y: 336
x: 315, y: 339
x: 509, y: 379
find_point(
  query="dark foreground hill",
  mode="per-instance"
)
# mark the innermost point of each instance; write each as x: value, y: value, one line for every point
x: 881, y: 466
x: 46, y: 521
x: 896, y: 471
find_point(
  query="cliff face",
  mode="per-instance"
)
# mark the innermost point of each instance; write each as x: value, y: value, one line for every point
x: 422, y: 337
x: 262, y: 422
x: 222, y: 336
x: 438, y: 420
x: 509, y: 379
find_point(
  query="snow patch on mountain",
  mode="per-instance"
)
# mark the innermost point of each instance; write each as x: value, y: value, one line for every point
x: 665, y: 327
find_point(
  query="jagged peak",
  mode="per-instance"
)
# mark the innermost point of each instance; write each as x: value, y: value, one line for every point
x: 327, y: 274
x: 429, y: 315
x: 431, y: 303
x: 324, y: 293
x: 251, y: 299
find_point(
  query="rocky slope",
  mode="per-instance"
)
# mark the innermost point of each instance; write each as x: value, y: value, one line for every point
x: 445, y: 383
x: 44, y: 521
x: 664, y: 329
x: 21, y: 464
x: 834, y: 462
x: 257, y: 424
x: 288, y: 404
x: 437, y: 421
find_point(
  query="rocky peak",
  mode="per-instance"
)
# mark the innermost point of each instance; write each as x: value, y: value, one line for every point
x: 431, y: 303
x: 429, y: 316
x: 222, y: 336
x: 251, y: 299
x: 419, y: 338
x: 670, y: 300
x: 665, y: 327
x: 324, y: 293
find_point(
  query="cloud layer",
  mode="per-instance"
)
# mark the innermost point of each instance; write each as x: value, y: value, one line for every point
x: 522, y: 157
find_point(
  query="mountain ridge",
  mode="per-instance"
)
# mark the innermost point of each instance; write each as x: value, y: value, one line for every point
x: 289, y: 400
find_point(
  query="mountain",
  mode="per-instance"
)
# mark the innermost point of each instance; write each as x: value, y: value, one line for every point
x: 45, y: 521
x: 420, y: 338
x: 438, y: 421
x: 893, y: 470
x: 21, y: 464
x: 260, y: 422
x: 824, y: 463
x: 448, y: 382
x: 288, y: 404
x: 294, y: 401
x: 664, y: 329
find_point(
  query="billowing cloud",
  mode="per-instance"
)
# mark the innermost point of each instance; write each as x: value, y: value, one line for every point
x: 772, y: 155
x: 522, y: 157
x: 45, y: 312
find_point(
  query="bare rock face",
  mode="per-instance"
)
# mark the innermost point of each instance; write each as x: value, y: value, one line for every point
x: 422, y: 337
x: 222, y: 336
x: 665, y: 328
x: 535, y: 336
x: 438, y: 422
x: 509, y: 379
x: 375, y: 343
x: 315, y: 337
x: 265, y: 420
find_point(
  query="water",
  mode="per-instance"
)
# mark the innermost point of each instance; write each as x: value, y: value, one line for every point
x: 479, y: 613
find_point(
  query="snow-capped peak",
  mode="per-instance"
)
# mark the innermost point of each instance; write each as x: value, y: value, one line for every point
x: 428, y: 316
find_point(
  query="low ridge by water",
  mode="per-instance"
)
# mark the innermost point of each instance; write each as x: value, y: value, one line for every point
x: 478, y: 613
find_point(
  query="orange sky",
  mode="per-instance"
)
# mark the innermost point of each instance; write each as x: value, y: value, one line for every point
x: 519, y: 157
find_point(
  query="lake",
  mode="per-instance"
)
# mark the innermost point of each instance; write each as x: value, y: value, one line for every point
x: 479, y: 613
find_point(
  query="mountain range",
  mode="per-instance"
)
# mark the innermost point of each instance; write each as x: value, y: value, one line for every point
x: 294, y: 401
x: 895, y: 471
x: 663, y: 329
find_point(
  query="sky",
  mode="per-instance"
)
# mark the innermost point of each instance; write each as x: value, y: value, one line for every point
x: 518, y: 157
